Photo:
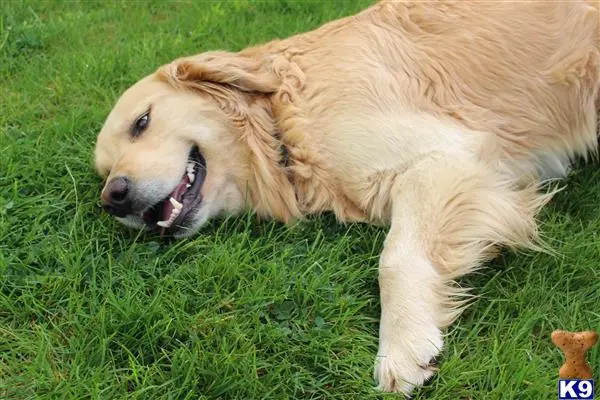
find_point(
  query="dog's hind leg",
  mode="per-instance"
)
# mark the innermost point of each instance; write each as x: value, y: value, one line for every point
x: 447, y: 216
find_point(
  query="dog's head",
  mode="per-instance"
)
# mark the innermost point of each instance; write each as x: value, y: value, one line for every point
x: 185, y: 143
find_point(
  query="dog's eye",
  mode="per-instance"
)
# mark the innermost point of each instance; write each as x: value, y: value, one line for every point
x: 141, y: 124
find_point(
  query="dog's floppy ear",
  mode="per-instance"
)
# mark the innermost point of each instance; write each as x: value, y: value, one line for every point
x: 243, y: 71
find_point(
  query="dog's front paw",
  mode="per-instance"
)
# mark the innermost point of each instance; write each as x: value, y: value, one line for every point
x: 404, y: 364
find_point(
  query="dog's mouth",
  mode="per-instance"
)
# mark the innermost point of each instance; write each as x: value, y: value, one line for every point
x: 173, y: 212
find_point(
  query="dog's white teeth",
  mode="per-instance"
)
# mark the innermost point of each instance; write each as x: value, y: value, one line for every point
x: 190, y: 167
x: 165, y: 224
x: 176, y: 205
x: 174, y: 213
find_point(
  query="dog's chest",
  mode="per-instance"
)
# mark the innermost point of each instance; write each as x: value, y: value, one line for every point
x: 345, y: 155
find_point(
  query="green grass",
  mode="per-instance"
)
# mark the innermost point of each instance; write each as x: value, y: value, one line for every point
x: 247, y: 309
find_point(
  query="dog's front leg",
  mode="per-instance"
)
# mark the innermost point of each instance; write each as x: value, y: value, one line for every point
x: 409, y: 333
x: 447, y: 214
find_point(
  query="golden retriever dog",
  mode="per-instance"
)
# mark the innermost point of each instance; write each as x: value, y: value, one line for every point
x: 440, y: 119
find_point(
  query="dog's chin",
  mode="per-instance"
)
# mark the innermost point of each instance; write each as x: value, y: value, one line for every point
x: 132, y: 221
x: 193, y: 225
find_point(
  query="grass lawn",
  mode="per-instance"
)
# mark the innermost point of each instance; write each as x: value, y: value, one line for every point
x: 247, y: 309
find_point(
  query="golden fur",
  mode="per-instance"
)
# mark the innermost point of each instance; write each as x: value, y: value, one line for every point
x: 437, y: 118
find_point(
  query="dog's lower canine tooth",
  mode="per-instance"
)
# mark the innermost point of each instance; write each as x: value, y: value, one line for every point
x: 166, y: 224
x: 175, y: 203
x: 191, y: 177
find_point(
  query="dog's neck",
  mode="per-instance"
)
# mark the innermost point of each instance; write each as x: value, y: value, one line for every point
x: 288, y: 178
x: 270, y: 184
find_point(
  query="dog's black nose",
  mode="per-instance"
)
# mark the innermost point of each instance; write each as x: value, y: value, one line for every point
x: 115, y: 199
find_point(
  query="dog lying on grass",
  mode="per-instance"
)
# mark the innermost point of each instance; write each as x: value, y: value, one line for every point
x: 440, y: 119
